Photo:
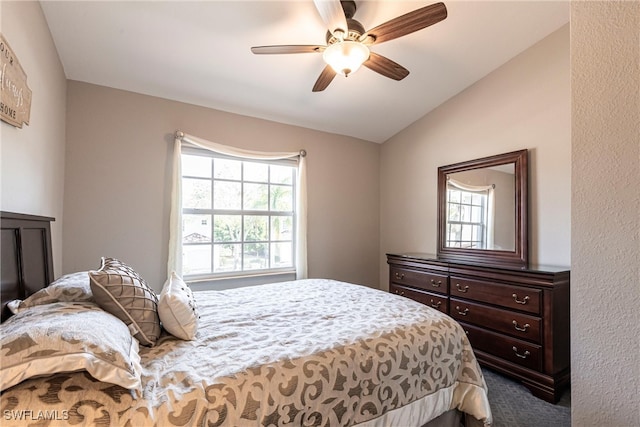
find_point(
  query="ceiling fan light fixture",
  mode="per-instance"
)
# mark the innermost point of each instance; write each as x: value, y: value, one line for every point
x: 346, y: 57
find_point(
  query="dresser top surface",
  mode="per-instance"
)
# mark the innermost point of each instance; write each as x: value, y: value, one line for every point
x: 422, y: 256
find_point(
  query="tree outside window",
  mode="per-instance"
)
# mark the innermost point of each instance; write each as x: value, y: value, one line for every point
x: 238, y: 215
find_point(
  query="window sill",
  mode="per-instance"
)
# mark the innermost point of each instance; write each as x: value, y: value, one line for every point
x: 218, y: 284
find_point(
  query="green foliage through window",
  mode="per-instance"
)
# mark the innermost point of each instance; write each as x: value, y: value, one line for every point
x: 238, y: 215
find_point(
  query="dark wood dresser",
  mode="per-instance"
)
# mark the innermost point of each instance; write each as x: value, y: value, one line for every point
x: 516, y: 318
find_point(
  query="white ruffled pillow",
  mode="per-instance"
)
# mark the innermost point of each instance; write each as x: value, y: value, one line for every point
x: 68, y: 288
x: 68, y: 337
x: 177, y: 308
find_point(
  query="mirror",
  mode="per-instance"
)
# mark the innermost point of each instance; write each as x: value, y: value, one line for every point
x: 482, y: 209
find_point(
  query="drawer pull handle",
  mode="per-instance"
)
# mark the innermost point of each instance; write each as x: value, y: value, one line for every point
x: 462, y: 313
x: 435, y: 304
x: 436, y: 284
x: 399, y: 276
x: 518, y: 328
x: 524, y: 301
x: 461, y: 289
x: 521, y: 356
x: 400, y: 293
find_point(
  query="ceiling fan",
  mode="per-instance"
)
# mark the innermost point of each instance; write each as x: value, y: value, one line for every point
x: 348, y: 43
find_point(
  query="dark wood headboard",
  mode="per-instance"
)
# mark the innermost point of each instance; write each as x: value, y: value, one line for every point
x: 27, y: 260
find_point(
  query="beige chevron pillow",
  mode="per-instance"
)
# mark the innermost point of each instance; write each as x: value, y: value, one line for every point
x: 120, y: 290
x: 68, y: 288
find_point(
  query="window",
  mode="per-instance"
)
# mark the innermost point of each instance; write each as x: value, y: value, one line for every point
x: 467, y: 219
x: 238, y: 215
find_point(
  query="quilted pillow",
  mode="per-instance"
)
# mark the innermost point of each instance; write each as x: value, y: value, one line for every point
x: 68, y: 337
x: 120, y: 290
x: 177, y: 308
x: 68, y: 288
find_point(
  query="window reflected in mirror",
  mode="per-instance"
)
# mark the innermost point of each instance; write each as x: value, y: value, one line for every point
x: 469, y: 220
x: 481, y: 208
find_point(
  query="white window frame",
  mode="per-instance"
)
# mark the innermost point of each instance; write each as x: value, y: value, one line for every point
x: 250, y: 276
x: 483, y: 223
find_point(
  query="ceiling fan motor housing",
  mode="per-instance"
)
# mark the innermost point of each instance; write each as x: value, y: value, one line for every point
x: 356, y: 29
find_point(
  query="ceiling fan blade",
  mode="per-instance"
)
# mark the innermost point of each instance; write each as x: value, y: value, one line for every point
x: 386, y: 67
x: 280, y: 49
x: 333, y: 15
x: 326, y: 76
x: 408, y: 23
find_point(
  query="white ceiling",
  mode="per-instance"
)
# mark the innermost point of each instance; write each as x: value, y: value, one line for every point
x: 199, y: 52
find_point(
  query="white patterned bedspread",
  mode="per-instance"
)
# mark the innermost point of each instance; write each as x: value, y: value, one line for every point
x: 302, y: 353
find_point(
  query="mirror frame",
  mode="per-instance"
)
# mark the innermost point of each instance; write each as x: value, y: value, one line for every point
x: 520, y: 255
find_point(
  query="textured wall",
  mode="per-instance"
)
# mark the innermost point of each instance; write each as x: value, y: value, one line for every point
x: 32, y: 170
x: 605, y: 250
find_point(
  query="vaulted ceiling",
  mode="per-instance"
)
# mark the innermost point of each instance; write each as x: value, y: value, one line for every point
x: 199, y: 52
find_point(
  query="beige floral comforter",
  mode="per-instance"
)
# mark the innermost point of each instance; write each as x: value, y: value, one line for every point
x: 302, y: 353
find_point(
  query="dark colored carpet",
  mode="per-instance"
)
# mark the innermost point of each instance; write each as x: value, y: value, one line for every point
x: 512, y: 405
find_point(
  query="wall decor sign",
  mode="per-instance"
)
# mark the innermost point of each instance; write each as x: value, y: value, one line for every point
x: 15, y: 102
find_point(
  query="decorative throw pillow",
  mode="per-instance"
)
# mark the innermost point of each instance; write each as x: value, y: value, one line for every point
x: 68, y: 337
x: 68, y: 288
x: 177, y: 308
x: 120, y: 290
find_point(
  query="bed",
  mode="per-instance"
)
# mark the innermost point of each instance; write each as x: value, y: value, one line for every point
x: 300, y: 353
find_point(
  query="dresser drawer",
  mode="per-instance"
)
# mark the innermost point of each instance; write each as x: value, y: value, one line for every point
x: 508, y: 296
x: 428, y: 281
x: 486, y: 300
x: 516, y: 324
x: 512, y: 349
x: 439, y: 302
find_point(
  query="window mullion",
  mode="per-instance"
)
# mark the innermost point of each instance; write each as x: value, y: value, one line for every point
x: 213, y: 219
x: 268, y: 244
x: 227, y: 261
x: 242, y: 244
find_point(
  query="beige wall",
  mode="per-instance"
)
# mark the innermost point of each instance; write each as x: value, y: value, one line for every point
x: 523, y: 104
x: 117, y: 190
x: 605, y: 250
x: 32, y: 158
